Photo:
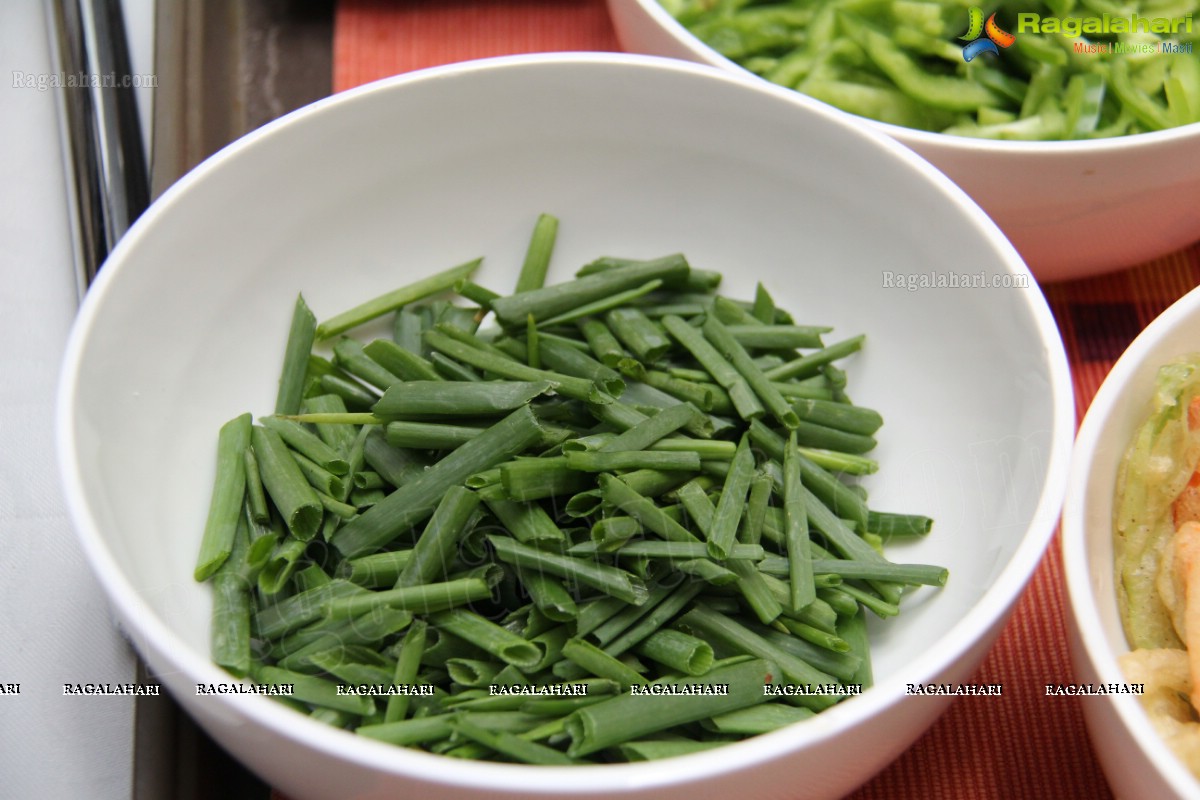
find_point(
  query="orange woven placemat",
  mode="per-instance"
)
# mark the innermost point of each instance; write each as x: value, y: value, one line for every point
x: 1024, y: 745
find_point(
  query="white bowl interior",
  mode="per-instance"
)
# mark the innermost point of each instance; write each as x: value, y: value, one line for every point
x: 637, y: 157
x: 1133, y: 756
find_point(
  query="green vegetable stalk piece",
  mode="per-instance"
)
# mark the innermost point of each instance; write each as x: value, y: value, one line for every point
x: 550, y: 301
x: 316, y: 691
x: 397, y: 298
x: 421, y: 599
x: 730, y: 348
x: 710, y: 357
x: 723, y: 530
x: 800, y: 569
x: 654, y: 749
x: 890, y: 524
x: 677, y: 651
x: 295, y: 359
x: 289, y: 490
x: 810, y: 364
x: 596, y: 662
x: 537, y: 255
x: 281, y: 564
x: 489, y: 637
x: 536, y: 478
x: 490, y: 515
x: 719, y: 629
x: 777, y: 337
x: 611, y: 461
x: 429, y: 435
x: 232, y: 583
x: 408, y: 665
x: 609, y: 580
x: 509, y: 744
x: 637, y: 332
x: 376, y: 570
x: 628, y: 717
x: 308, y: 444
x: 225, y: 506
x: 604, y: 303
x: 578, y: 388
x: 406, y: 364
x: 350, y: 356
x: 622, y: 496
x: 438, y: 545
x: 418, y: 399
x: 416, y: 499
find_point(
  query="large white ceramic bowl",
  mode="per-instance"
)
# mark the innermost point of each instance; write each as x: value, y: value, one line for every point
x: 639, y: 157
x: 1135, y: 760
x: 1070, y: 208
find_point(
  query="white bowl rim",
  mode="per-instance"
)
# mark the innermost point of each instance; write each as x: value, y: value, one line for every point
x: 994, y: 605
x: 1051, y: 148
x: 1083, y: 601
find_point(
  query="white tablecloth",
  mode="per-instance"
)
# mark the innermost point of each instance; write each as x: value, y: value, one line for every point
x: 55, y: 625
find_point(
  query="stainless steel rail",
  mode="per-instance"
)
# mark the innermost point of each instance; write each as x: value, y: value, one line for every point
x: 224, y: 67
x: 102, y: 136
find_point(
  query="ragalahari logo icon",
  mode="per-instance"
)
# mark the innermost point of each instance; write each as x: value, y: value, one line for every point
x: 977, y: 28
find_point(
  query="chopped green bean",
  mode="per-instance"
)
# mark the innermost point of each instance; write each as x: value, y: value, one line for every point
x: 286, y: 485
x: 744, y: 400
x: 528, y: 479
x: 424, y: 399
x: 282, y: 563
x: 437, y: 546
x: 488, y: 636
x: 421, y: 599
x: 537, y: 254
x: 725, y: 343
x: 375, y: 570
x: 407, y: 364
x: 230, y: 634
x: 811, y: 364
x: 629, y: 716
x: 293, y: 375
x: 395, y: 299
x: 550, y: 301
x: 724, y: 527
x: 229, y: 489
x: 578, y: 388
x: 605, y: 303
x: 350, y: 356
x: 677, y: 651
x: 714, y: 627
x: 538, y: 571
x: 596, y: 662
x: 415, y: 500
x: 429, y: 435
x: 799, y: 553
x: 610, y: 580
x: 632, y: 459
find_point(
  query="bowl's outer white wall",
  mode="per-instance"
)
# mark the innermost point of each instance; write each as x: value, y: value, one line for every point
x: 358, y: 195
x: 1135, y: 761
x: 1074, y: 211
x: 1070, y: 208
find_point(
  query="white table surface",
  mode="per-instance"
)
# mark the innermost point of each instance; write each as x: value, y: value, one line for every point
x: 55, y: 626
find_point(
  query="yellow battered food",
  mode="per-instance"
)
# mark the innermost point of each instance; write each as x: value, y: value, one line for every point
x: 1157, y: 559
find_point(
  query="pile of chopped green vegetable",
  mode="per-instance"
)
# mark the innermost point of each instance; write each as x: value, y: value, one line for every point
x: 621, y: 524
x: 1064, y: 75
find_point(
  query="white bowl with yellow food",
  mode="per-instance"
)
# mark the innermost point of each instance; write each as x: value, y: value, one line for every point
x: 1129, y: 538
